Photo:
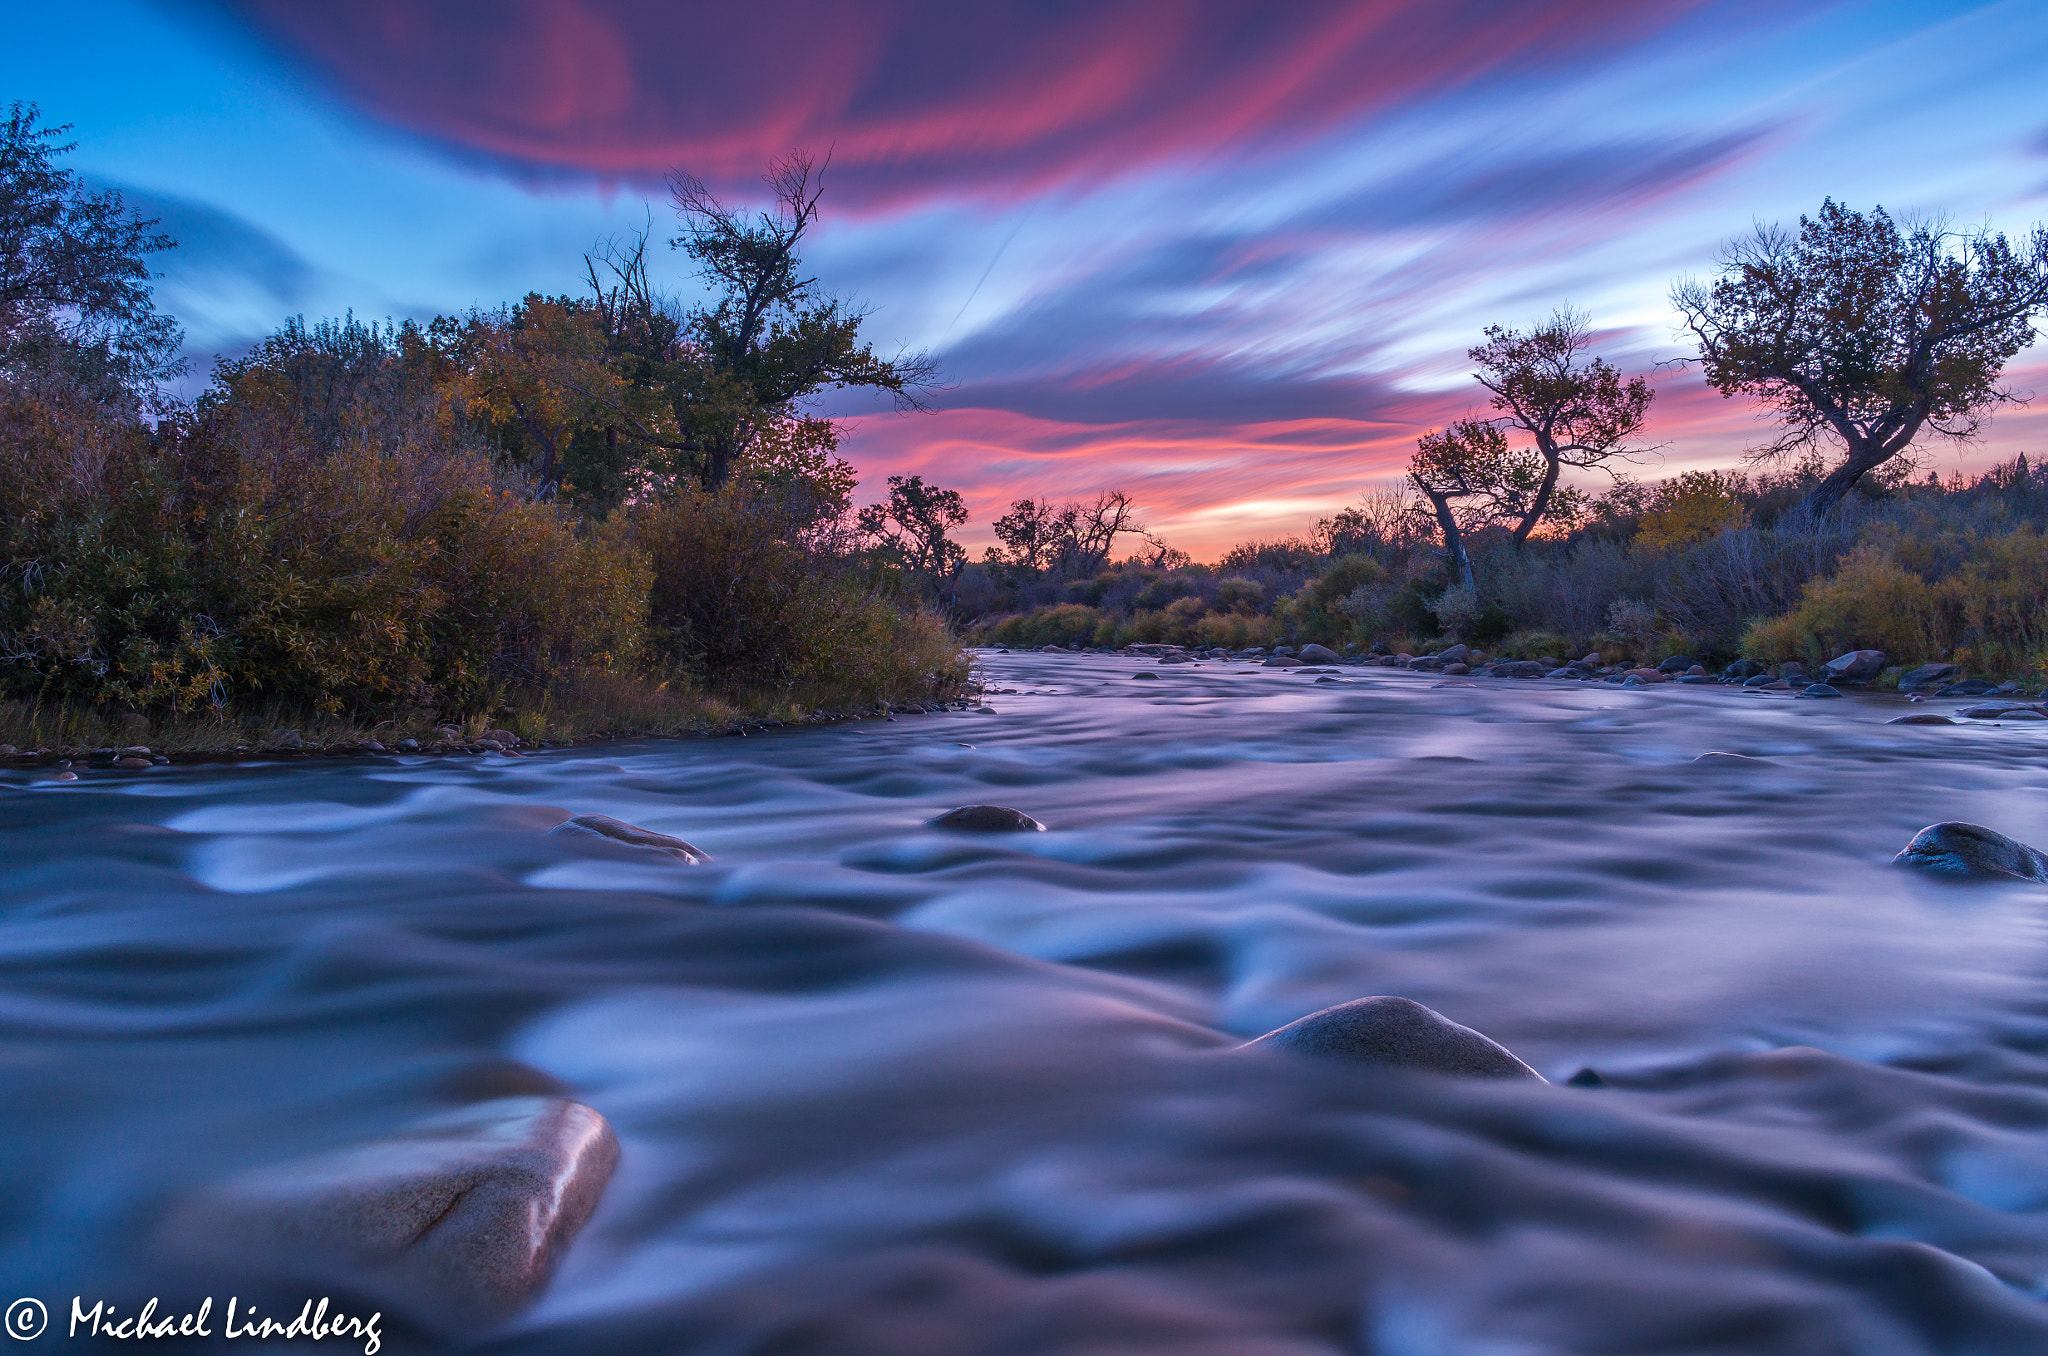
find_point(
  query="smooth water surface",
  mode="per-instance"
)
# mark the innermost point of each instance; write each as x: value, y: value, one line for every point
x: 883, y: 1089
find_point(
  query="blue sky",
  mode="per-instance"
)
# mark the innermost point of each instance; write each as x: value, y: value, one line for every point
x: 1224, y: 256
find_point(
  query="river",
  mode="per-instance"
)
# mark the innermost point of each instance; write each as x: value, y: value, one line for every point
x: 884, y: 1089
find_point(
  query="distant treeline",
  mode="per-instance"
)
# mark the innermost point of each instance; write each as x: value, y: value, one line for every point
x: 1861, y: 340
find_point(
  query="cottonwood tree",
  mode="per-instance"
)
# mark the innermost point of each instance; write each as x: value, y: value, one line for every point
x: 74, y: 272
x: 911, y: 528
x: 1578, y: 412
x: 1069, y: 541
x: 540, y: 373
x: 1855, y: 329
x: 1471, y: 481
x: 770, y: 337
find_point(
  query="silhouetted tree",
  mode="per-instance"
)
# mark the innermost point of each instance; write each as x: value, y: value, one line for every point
x: 1070, y: 541
x: 912, y: 524
x: 1471, y: 481
x: 1855, y: 328
x: 1579, y: 413
x: 74, y: 278
x: 771, y: 337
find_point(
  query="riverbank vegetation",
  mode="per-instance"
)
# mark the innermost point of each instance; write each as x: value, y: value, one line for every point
x: 1861, y: 340
x: 566, y: 514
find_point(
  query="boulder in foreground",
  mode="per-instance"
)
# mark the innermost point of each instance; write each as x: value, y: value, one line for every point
x: 457, y: 1222
x: 987, y: 819
x: 631, y: 835
x: 1959, y: 849
x: 1397, y: 1033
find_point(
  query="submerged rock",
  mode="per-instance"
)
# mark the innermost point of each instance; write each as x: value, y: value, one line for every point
x: 1153, y: 677
x: 457, y: 1221
x: 1820, y: 690
x: 987, y: 819
x: 1716, y: 756
x: 1959, y: 849
x: 1397, y: 1033
x: 1998, y: 711
x: 1969, y: 687
x: 631, y: 835
x: 1921, y: 718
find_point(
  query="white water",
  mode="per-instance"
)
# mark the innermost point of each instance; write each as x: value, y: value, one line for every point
x: 887, y: 1090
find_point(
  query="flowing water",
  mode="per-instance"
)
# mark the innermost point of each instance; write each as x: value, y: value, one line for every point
x: 883, y: 1089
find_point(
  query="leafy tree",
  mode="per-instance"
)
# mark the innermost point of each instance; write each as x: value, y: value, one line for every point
x: 1472, y: 481
x: 1856, y: 329
x: 539, y: 372
x: 74, y: 277
x: 910, y: 527
x: 1694, y: 507
x: 771, y: 337
x: 1579, y: 413
x: 1068, y: 541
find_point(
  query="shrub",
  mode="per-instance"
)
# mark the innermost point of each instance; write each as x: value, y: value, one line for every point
x: 1988, y: 610
x: 747, y: 593
x: 1061, y: 624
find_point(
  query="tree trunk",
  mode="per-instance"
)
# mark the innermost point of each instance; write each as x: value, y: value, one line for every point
x: 1454, y: 540
x: 1541, y: 504
x: 1863, y: 458
x: 717, y: 465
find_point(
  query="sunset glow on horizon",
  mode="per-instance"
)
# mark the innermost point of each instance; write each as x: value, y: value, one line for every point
x: 1225, y: 257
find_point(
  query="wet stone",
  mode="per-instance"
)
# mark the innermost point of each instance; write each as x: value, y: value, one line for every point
x: 1397, y: 1033
x: 1317, y: 654
x: 1926, y: 676
x: 1820, y: 690
x: 1857, y: 666
x: 1921, y: 718
x: 987, y: 819
x: 456, y: 1222
x: 1971, y: 850
x: 630, y: 835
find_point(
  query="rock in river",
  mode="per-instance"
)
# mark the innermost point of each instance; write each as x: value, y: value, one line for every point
x: 1926, y: 676
x: 631, y: 835
x: 1397, y: 1033
x: 1959, y: 849
x: 1153, y: 676
x: 1820, y: 690
x: 1857, y: 666
x: 1921, y: 718
x: 457, y: 1221
x: 1317, y: 654
x: 987, y: 819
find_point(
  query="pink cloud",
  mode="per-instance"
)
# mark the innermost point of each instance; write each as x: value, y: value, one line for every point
x: 917, y: 95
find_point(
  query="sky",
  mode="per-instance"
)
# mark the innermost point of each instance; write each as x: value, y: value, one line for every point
x: 1225, y: 256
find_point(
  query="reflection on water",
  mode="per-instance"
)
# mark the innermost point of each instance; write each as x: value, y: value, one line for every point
x: 887, y: 1090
